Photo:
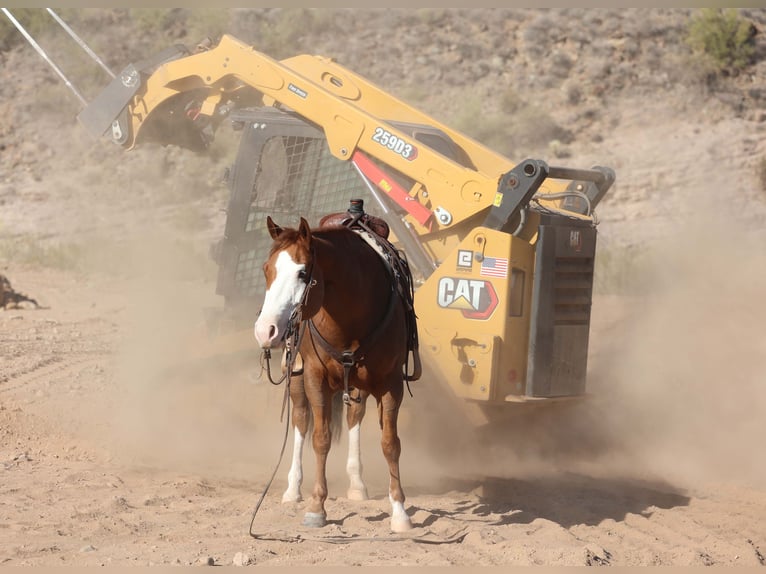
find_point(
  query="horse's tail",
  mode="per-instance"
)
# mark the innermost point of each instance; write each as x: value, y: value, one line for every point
x: 336, y: 420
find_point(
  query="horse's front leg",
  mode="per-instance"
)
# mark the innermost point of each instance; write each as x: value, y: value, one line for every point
x: 300, y: 421
x: 321, y: 408
x: 354, y: 415
x: 388, y: 411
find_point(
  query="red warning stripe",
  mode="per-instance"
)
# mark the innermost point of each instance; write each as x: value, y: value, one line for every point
x: 381, y: 180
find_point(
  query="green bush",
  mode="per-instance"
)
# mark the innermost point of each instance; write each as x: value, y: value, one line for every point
x: 722, y: 37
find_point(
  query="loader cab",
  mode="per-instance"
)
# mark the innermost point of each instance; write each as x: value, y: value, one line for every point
x: 284, y: 168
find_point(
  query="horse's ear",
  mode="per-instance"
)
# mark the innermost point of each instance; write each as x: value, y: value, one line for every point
x: 274, y: 229
x: 304, y: 230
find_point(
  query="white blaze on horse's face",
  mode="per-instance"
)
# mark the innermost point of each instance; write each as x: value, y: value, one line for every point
x: 282, y: 296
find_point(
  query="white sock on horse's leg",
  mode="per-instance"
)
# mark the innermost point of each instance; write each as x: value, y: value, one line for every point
x: 295, y: 476
x: 356, y: 490
x: 400, y: 521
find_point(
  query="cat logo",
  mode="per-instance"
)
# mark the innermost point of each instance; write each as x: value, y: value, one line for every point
x: 475, y: 298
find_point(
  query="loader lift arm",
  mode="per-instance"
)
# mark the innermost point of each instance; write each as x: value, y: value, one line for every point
x: 180, y: 98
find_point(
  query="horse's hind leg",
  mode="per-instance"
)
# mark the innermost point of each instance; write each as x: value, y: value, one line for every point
x: 356, y: 489
x: 300, y: 428
x: 388, y: 410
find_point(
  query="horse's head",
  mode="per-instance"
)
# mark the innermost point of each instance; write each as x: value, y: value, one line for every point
x: 290, y: 273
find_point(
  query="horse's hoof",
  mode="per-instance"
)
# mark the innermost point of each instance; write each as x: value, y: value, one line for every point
x: 357, y: 494
x: 401, y: 524
x: 314, y: 520
x: 290, y: 497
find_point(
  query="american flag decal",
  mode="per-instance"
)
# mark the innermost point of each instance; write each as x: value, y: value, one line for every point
x: 494, y: 267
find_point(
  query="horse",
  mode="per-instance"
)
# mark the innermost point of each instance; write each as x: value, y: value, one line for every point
x: 330, y: 286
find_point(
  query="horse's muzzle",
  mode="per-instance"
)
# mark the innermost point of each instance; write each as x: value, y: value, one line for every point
x: 267, y: 334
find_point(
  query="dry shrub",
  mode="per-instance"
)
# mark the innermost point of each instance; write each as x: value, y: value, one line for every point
x: 723, y: 38
x: 520, y: 128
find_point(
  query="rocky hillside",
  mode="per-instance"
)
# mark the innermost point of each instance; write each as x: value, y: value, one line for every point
x: 576, y: 87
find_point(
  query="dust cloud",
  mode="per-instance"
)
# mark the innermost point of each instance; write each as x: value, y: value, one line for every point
x: 676, y: 390
x: 173, y: 408
x: 682, y: 388
x: 675, y: 385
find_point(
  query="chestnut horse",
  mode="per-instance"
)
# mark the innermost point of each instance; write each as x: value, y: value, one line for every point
x: 335, y: 287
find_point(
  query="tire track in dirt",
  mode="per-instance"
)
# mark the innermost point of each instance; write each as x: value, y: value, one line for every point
x: 758, y: 555
x: 50, y: 370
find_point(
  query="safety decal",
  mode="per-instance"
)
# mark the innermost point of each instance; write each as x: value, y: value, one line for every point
x: 474, y: 298
x: 395, y: 144
x: 464, y: 259
x: 297, y: 91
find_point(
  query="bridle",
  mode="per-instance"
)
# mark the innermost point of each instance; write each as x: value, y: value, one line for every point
x: 293, y: 334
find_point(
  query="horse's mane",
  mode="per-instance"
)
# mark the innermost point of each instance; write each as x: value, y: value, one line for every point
x: 333, y: 233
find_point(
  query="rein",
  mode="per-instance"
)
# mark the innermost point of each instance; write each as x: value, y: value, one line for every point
x: 293, y: 336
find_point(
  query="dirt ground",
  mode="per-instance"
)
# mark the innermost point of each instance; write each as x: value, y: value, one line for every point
x: 117, y: 449
x: 111, y: 456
